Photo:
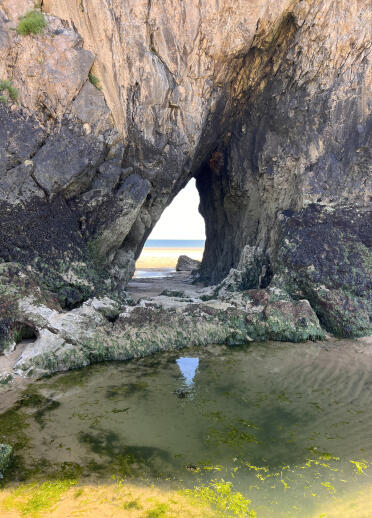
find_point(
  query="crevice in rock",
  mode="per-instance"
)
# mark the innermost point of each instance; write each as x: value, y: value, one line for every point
x: 111, y: 318
x: 70, y: 297
x: 23, y: 331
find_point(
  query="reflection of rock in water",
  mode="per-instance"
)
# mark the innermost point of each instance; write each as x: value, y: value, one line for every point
x: 132, y: 461
x: 188, y: 368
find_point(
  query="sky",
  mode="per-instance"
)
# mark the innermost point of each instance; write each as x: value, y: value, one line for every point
x: 181, y: 220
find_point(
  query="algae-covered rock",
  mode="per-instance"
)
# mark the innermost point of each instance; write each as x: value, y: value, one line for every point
x: 16, y: 283
x: 5, y: 378
x: 287, y: 321
x: 250, y: 273
x: 6, y: 453
x: 326, y: 257
x: 101, y: 330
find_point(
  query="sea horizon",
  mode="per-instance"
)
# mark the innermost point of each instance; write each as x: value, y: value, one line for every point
x: 175, y: 243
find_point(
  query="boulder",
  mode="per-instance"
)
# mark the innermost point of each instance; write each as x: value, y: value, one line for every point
x: 186, y: 264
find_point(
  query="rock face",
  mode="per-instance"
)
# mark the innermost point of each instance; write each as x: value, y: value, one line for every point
x: 186, y: 264
x: 266, y: 104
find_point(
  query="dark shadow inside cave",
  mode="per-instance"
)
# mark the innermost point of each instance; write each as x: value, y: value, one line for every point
x: 24, y: 332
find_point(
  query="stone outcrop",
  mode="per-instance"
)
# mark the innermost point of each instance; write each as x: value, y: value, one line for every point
x: 121, y: 102
x: 186, y: 264
x: 103, y: 330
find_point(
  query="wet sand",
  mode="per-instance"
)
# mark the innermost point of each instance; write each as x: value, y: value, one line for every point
x: 152, y: 285
x: 166, y: 257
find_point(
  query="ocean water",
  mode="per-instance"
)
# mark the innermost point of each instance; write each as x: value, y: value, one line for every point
x: 159, y: 256
x: 175, y: 243
x: 151, y: 273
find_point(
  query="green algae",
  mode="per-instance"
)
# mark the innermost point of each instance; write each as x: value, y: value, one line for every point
x: 75, y: 378
x: 6, y: 379
x: 32, y: 499
x: 159, y: 511
x: 221, y: 496
x: 329, y: 487
x: 127, y: 389
x: 6, y: 453
x: 232, y: 436
x: 13, y: 428
x: 132, y: 504
x: 360, y: 466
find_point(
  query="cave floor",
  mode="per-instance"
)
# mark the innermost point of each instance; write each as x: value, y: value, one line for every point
x: 153, y: 286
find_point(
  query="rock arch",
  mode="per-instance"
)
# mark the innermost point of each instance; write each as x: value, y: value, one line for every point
x: 266, y: 104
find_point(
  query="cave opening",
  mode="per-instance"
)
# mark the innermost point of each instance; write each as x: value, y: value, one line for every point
x: 180, y: 231
x: 24, y: 332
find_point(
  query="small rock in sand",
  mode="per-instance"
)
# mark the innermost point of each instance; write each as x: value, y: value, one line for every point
x: 186, y: 264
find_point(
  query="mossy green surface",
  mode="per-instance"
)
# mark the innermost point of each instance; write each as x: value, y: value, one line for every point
x: 6, y: 452
x: 31, y: 23
x: 95, y: 81
x: 148, y: 330
x: 7, y: 86
x: 221, y: 496
x: 32, y: 499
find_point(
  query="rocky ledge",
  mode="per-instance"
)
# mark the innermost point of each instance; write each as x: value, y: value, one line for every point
x: 104, y: 329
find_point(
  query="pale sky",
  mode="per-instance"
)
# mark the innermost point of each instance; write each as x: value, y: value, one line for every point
x: 181, y: 220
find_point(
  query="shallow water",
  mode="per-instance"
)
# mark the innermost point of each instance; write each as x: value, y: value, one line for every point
x: 150, y: 273
x: 290, y: 425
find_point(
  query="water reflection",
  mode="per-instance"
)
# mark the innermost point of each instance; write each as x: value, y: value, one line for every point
x: 188, y: 368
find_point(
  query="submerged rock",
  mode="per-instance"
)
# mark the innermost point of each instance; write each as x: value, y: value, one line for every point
x: 187, y: 264
x: 6, y: 453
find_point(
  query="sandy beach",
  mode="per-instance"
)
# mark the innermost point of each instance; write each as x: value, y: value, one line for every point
x: 165, y: 257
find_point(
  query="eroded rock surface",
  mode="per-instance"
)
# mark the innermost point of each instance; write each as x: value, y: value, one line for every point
x: 267, y: 104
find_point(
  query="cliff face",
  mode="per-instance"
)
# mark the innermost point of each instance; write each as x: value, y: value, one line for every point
x: 266, y: 103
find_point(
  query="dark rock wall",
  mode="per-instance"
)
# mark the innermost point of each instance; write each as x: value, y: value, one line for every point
x: 295, y: 179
